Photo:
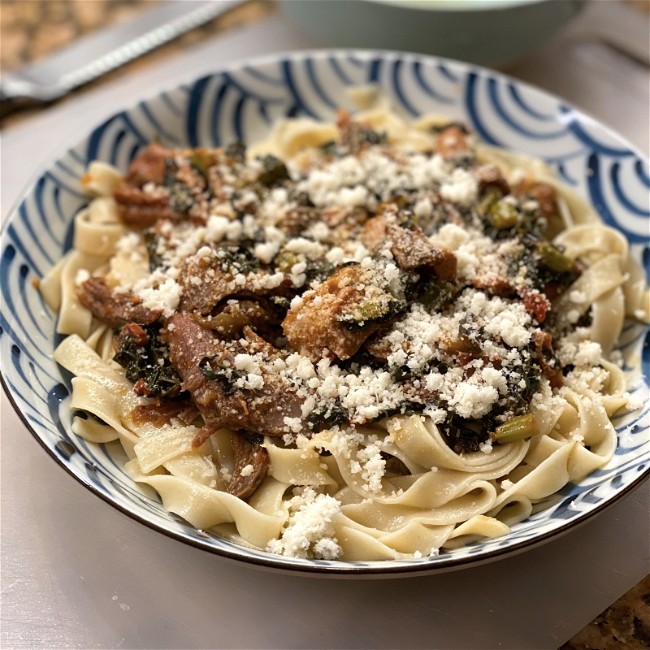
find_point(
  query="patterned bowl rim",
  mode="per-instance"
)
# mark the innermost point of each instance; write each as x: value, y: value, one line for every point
x: 336, y: 569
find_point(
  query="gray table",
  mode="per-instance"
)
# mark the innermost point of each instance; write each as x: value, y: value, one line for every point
x: 78, y: 574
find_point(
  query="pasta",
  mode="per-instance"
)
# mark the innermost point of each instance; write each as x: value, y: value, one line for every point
x: 368, y: 340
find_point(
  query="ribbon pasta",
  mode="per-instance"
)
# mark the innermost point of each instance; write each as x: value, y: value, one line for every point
x: 333, y: 493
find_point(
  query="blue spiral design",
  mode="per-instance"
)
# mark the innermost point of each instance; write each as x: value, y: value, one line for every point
x: 242, y: 102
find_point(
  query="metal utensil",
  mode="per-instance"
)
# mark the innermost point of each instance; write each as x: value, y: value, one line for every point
x: 102, y: 51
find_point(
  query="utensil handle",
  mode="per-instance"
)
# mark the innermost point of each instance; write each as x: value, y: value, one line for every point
x: 97, y: 53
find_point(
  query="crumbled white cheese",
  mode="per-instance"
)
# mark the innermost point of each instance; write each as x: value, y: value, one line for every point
x: 309, y: 531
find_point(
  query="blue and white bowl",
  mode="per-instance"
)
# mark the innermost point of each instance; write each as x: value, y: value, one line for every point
x: 242, y: 102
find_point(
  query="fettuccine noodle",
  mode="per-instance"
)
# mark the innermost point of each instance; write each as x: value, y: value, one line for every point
x: 415, y: 392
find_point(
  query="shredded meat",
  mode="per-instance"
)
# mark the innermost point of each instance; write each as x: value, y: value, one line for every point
x: 230, y: 322
x: 373, y: 234
x: 222, y: 406
x: 543, y: 343
x: 298, y: 220
x: 495, y: 286
x: 537, y: 305
x: 139, y: 209
x: 355, y: 135
x: 452, y: 142
x: 379, y: 347
x: 258, y: 344
x: 134, y: 332
x: 490, y: 176
x: 160, y: 414
x: 149, y: 166
x: 410, y: 246
x: 205, y: 284
x: 413, y: 250
x: 248, y: 451
x: 315, y: 325
x: 116, y: 308
x: 543, y: 193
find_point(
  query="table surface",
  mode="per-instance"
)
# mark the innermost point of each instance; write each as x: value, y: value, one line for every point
x: 78, y: 574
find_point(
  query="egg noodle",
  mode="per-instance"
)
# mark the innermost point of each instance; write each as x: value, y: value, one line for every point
x: 368, y: 340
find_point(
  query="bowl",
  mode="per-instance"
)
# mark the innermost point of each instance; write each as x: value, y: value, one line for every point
x: 487, y: 32
x: 242, y: 102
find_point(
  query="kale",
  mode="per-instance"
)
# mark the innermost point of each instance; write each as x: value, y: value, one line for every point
x: 402, y: 373
x: 355, y: 136
x: 549, y: 270
x: 324, y: 417
x: 519, y: 398
x: 366, y: 135
x: 302, y: 199
x: 274, y: 171
x: 241, y: 258
x: 318, y: 270
x: 181, y: 199
x: 406, y: 218
x: 169, y: 177
x: 281, y: 302
x: 463, y: 435
x: 201, y: 161
x: 409, y: 407
x: 252, y: 437
x: 434, y: 294
x: 502, y: 219
x: 145, y: 357
x: 236, y: 151
x: 519, y: 427
x: 151, y: 240
x: 225, y: 375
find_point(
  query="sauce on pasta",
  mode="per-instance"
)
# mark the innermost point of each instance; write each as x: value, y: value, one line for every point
x: 367, y: 340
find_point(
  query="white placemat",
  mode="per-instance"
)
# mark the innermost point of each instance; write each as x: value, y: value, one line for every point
x: 78, y: 574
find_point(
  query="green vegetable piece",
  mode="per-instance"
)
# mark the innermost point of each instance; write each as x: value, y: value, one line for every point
x: 181, y: 199
x: 371, y: 312
x: 554, y: 259
x: 149, y: 362
x: 370, y: 136
x: 169, y: 178
x: 491, y: 196
x: 518, y: 428
x: 238, y: 258
x: 226, y: 377
x: 503, y: 214
x: 286, y: 259
x: 273, y: 172
x: 435, y: 294
x: 322, y: 418
x: 201, y: 160
x: 236, y: 151
x: 151, y: 242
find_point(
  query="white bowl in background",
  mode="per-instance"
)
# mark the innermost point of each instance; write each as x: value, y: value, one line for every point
x: 487, y: 32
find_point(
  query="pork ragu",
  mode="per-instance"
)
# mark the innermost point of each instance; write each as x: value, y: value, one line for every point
x: 298, y: 303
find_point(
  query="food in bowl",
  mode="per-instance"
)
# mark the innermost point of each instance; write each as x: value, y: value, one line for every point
x: 372, y: 340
